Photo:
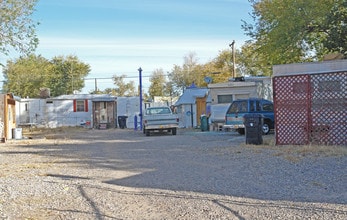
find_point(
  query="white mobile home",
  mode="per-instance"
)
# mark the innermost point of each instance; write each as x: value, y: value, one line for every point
x: 241, y: 88
x: 65, y: 110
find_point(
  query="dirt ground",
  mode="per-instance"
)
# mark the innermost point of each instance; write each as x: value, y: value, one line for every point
x: 76, y: 173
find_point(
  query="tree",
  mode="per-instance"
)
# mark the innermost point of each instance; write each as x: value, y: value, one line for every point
x: 17, y: 28
x: 185, y: 75
x: 170, y: 90
x: 221, y: 67
x: 158, y: 83
x: 67, y: 75
x: 336, y: 28
x: 177, y: 77
x: 286, y: 31
x: 190, y: 68
x: 122, y: 88
x: 26, y: 75
x: 252, y: 63
x: 219, y: 70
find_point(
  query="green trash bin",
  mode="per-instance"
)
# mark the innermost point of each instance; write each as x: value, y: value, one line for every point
x: 204, y: 123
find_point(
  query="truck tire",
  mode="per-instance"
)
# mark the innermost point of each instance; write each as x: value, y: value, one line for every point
x: 174, y: 131
x: 147, y: 133
x: 266, y: 128
x: 241, y: 131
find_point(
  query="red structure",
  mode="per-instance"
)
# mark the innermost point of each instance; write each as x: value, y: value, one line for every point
x: 310, y: 101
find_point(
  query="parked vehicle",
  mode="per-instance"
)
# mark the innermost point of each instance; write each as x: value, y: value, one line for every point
x: 159, y: 119
x: 238, y: 108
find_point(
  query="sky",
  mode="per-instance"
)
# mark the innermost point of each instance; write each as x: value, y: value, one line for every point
x: 116, y: 37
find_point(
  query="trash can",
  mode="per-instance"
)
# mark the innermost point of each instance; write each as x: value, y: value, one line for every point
x: 122, y: 121
x: 204, y: 123
x: 17, y: 133
x: 253, y: 128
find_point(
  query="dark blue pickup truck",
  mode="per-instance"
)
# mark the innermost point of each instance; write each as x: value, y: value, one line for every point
x: 238, y: 108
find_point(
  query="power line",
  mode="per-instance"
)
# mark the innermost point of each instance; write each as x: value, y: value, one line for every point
x: 127, y: 77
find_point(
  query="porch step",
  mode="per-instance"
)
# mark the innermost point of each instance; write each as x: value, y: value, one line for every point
x: 103, y: 126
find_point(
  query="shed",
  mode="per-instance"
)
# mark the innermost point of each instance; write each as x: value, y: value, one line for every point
x: 7, y: 116
x: 193, y: 103
x: 310, y: 101
x: 104, y: 112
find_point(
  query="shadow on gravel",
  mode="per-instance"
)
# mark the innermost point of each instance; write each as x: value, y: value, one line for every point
x: 224, y: 203
x: 206, y: 162
x: 214, y: 162
x: 66, y: 177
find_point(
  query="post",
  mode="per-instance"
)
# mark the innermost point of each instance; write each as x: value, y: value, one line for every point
x: 140, y: 83
x: 232, y: 45
x: 135, y: 122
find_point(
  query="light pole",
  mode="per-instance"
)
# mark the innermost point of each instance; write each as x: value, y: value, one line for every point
x: 140, y: 84
x: 232, y: 45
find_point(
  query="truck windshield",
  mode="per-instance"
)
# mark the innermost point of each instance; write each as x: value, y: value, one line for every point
x: 237, y: 107
x: 154, y: 111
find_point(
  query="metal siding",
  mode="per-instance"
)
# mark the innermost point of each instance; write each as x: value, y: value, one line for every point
x: 310, y: 68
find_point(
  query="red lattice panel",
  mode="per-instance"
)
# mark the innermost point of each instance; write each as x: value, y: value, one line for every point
x: 311, y: 109
x: 291, y: 109
x: 329, y: 108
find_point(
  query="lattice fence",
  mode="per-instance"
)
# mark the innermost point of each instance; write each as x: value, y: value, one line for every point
x: 311, y: 108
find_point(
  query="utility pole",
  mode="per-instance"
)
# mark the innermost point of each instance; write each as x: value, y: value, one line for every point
x: 140, y: 84
x: 232, y: 45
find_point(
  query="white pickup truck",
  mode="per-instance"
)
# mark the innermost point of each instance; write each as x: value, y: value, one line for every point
x: 159, y: 119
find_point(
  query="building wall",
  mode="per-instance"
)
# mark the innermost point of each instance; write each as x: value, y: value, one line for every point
x: 30, y: 111
x: 255, y: 87
x: 60, y: 113
x: 187, y: 115
x: 7, y: 116
x: 130, y: 107
x: 50, y: 113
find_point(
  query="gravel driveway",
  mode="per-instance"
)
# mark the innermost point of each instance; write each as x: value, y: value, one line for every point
x: 122, y: 174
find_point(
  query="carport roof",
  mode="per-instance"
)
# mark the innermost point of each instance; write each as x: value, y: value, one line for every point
x: 309, y: 68
x: 93, y: 97
x: 189, y: 96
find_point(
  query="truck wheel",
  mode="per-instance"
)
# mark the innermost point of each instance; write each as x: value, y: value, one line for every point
x: 241, y: 131
x: 266, y: 128
x: 147, y: 133
x: 174, y: 131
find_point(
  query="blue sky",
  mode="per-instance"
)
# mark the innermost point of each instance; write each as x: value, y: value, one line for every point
x: 117, y: 37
